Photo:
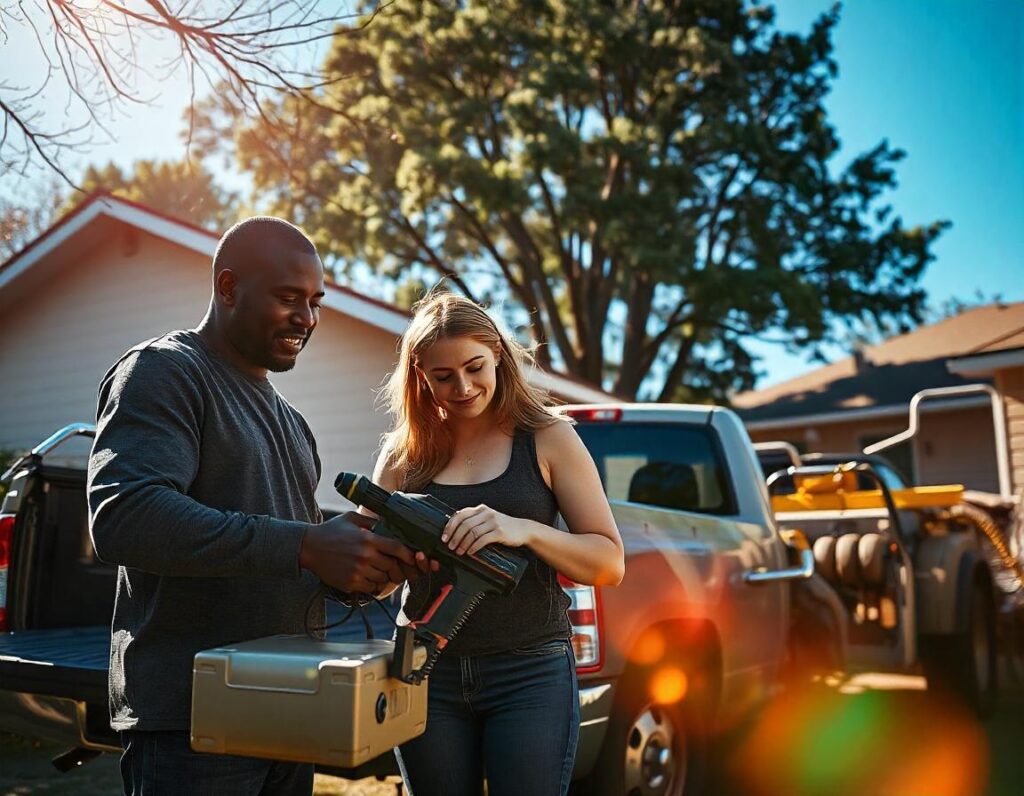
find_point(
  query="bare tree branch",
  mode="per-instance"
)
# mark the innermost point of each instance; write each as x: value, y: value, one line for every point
x: 259, y: 50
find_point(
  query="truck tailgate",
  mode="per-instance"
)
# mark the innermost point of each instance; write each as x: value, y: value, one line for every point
x: 65, y: 662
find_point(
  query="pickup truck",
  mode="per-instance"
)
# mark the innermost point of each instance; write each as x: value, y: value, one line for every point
x: 694, y: 638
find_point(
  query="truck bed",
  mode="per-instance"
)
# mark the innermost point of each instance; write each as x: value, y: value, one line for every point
x: 65, y: 662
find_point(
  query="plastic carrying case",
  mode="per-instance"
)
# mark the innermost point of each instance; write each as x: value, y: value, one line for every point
x: 297, y: 698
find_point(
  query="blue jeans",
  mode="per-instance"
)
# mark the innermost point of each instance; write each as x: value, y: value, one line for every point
x: 512, y: 717
x: 158, y: 763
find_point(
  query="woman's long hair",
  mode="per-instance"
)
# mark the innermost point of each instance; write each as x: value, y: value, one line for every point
x: 420, y: 443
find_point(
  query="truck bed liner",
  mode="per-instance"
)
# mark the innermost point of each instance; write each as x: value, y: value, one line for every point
x: 64, y: 662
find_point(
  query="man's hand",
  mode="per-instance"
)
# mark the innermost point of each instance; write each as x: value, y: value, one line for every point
x: 343, y: 553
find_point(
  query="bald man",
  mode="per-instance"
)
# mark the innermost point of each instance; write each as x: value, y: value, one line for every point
x: 201, y: 490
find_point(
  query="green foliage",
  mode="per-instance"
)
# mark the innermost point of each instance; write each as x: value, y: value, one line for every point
x: 182, y: 189
x: 652, y: 184
x: 27, y: 217
x: 7, y: 458
x: 409, y: 292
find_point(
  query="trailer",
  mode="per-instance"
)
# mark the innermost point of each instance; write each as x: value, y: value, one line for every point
x: 912, y: 579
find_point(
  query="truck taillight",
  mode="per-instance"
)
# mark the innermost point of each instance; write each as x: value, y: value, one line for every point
x: 6, y: 532
x: 596, y: 415
x: 585, y: 617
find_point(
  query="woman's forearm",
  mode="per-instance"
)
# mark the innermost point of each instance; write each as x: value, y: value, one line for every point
x: 588, y: 558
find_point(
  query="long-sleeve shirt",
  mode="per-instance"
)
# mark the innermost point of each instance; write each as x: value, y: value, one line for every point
x: 201, y: 485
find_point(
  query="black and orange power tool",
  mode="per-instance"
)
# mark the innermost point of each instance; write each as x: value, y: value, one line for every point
x: 417, y: 521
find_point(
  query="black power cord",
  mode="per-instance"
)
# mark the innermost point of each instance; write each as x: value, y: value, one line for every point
x: 353, y: 601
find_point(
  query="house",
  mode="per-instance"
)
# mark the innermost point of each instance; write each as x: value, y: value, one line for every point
x: 113, y: 273
x: 864, y: 398
x: 1002, y: 362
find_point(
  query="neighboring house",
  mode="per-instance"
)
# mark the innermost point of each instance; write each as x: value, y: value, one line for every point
x: 864, y: 398
x: 1002, y: 361
x: 113, y: 273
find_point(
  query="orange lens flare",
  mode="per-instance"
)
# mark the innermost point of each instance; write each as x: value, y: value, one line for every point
x: 818, y: 740
x: 668, y: 685
x: 649, y: 648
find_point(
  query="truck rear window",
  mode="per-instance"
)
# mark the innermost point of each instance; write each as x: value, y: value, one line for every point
x: 668, y: 465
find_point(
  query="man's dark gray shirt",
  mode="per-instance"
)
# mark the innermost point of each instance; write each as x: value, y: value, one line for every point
x: 201, y: 485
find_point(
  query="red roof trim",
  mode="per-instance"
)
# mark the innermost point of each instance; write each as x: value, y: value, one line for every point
x: 61, y: 222
x: 160, y: 214
x: 370, y: 299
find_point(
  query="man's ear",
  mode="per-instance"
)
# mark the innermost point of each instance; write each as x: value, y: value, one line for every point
x: 224, y: 287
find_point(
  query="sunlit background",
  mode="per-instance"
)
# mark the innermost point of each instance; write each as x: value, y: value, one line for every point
x: 941, y: 79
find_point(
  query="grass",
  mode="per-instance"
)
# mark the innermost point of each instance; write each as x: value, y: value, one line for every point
x: 25, y: 770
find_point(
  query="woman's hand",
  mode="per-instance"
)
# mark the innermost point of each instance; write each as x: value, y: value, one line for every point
x: 471, y: 529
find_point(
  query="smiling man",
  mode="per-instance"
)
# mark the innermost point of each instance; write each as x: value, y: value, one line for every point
x: 268, y: 285
x: 201, y: 489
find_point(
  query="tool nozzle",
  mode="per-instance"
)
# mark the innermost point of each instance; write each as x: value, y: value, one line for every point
x: 361, y: 491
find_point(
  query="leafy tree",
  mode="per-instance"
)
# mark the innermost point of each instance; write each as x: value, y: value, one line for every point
x: 183, y: 189
x: 7, y: 458
x: 651, y: 183
x: 24, y: 219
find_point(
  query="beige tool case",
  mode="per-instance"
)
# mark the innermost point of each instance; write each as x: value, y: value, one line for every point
x: 295, y: 698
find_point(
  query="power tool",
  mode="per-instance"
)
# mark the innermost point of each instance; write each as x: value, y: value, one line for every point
x: 418, y: 521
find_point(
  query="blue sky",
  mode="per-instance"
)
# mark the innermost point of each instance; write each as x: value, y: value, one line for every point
x: 941, y: 79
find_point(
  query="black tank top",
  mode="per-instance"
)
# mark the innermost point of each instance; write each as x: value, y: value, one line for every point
x: 537, y: 610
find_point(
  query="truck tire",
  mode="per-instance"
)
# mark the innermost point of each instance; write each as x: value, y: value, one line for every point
x: 963, y: 665
x: 650, y: 749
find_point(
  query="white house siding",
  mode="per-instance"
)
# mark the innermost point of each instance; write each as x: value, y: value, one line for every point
x: 335, y: 386
x: 1010, y: 383
x: 957, y: 447
x: 64, y: 332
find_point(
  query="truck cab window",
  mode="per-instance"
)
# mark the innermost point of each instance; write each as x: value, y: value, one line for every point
x: 670, y: 466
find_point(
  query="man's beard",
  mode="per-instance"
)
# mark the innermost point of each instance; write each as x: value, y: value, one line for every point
x: 277, y: 367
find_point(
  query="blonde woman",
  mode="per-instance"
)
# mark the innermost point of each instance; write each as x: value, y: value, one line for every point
x: 470, y: 430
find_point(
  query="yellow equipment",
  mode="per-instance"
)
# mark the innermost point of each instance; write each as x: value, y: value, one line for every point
x: 837, y: 491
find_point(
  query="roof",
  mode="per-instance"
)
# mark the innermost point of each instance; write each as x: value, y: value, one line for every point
x: 340, y: 298
x: 1008, y: 342
x: 1004, y: 352
x: 890, y: 373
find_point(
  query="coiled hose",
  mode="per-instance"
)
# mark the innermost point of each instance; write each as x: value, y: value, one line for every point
x: 981, y: 520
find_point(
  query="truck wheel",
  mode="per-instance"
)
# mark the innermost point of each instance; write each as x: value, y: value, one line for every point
x: 650, y: 749
x: 964, y: 665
